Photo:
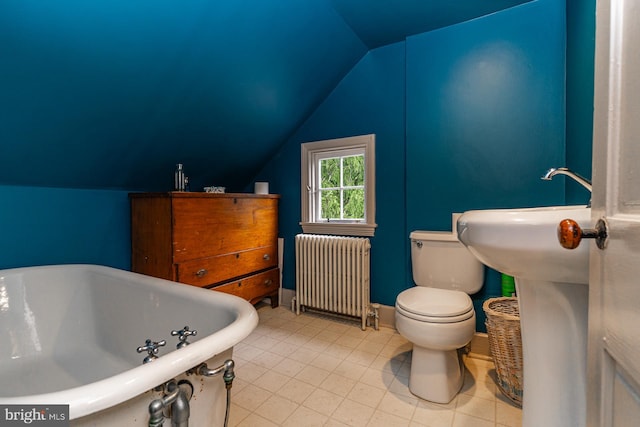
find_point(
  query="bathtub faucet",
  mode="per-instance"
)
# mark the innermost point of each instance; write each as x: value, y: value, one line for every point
x: 227, y: 375
x: 226, y: 369
x: 177, y: 398
x: 151, y: 347
x: 182, y: 335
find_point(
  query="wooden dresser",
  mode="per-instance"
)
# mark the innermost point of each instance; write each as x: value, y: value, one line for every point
x: 225, y: 242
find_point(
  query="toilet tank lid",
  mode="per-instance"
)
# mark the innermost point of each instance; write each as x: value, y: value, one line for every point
x: 439, y: 236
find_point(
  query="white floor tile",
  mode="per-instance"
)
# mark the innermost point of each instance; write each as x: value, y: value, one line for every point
x: 377, y: 378
x: 237, y: 414
x: 276, y: 409
x: 433, y: 415
x: 462, y: 420
x: 312, y: 375
x: 366, y: 394
x: 255, y: 420
x: 323, y: 401
x: 295, y: 390
x: 338, y: 351
x: 350, y: 370
x: 507, y: 413
x: 303, y: 354
x: 272, y: 381
x: 477, y: 407
x: 251, y: 397
x: 249, y: 371
x: 289, y: 367
x: 337, y: 384
x: 353, y: 413
x: 305, y: 417
x: 268, y: 359
x: 315, y: 370
x: 382, y: 419
x: 401, y: 406
x: 326, y: 362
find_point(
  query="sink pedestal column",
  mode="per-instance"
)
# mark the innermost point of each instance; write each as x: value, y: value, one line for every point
x: 553, y: 319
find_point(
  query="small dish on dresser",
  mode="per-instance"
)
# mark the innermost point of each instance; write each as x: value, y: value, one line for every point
x: 214, y: 189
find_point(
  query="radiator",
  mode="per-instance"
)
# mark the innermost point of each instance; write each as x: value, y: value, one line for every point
x: 333, y: 275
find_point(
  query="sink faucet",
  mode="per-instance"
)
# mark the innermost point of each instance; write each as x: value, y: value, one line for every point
x: 564, y: 171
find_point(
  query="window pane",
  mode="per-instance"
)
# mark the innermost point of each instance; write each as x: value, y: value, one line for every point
x: 353, y: 170
x: 330, y: 173
x: 330, y: 204
x: 354, y: 204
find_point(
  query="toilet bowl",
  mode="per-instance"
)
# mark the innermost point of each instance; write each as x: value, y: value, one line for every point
x: 437, y: 316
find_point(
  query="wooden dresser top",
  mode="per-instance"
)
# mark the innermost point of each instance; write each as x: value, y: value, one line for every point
x: 195, y: 194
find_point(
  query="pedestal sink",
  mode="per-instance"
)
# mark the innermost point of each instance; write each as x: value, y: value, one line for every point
x: 552, y: 288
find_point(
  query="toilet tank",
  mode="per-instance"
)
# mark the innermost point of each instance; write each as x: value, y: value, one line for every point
x: 439, y: 260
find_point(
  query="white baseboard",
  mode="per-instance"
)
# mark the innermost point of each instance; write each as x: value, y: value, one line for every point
x: 387, y: 319
x: 286, y: 297
x: 479, y: 342
x: 387, y: 316
x: 480, y: 346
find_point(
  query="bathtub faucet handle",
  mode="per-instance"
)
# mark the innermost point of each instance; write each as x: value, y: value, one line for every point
x: 151, y: 347
x: 183, y: 334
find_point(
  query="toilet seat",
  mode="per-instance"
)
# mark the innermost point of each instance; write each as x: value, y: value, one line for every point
x: 435, y: 305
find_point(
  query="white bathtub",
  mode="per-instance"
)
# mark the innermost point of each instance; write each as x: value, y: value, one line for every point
x: 69, y: 334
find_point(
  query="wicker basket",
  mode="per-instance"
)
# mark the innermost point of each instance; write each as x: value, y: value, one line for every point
x: 505, y: 343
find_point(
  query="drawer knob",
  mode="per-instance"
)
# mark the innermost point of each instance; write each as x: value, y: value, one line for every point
x: 266, y: 257
x: 201, y: 273
x: 268, y: 282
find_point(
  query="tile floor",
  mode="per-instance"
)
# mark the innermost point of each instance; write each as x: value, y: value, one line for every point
x: 316, y: 370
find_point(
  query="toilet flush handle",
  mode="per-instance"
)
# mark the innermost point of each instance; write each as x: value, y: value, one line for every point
x: 570, y: 234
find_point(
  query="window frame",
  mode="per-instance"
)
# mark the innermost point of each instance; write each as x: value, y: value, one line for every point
x: 310, y: 153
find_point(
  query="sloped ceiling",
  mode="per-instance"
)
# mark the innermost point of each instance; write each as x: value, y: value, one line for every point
x: 111, y: 94
x: 381, y: 22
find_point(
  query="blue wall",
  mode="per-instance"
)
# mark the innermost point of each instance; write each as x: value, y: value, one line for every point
x: 581, y: 38
x: 370, y: 99
x: 466, y: 117
x: 42, y: 226
x: 485, y: 118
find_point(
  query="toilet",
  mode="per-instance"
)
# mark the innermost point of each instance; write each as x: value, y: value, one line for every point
x: 437, y: 315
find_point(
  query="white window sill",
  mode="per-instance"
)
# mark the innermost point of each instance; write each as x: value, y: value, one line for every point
x: 339, y: 229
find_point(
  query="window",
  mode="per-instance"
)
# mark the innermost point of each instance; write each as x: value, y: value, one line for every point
x: 338, y: 186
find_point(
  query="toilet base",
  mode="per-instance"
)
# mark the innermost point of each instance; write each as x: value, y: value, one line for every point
x: 436, y: 375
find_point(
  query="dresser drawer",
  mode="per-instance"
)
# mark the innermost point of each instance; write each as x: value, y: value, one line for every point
x: 204, y: 227
x: 212, y: 270
x: 254, y: 288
